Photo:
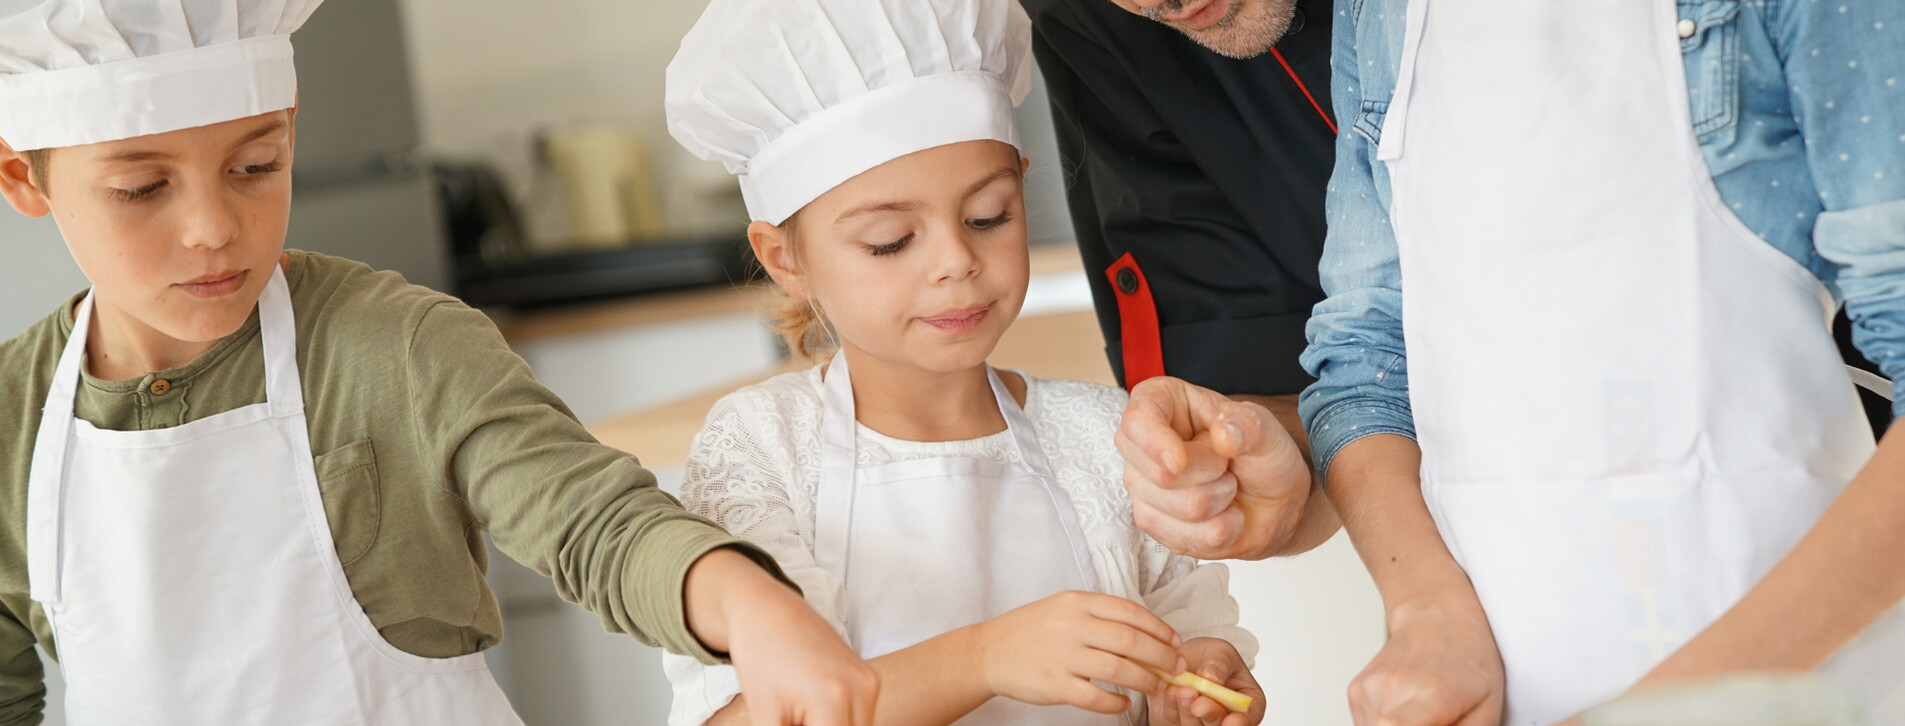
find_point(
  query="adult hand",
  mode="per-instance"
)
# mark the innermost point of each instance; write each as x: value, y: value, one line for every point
x: 1217, y: 660
x: 794, y: 669
x: 1439, y: 668
x: 1210, y: 477
x: 1049, y: 651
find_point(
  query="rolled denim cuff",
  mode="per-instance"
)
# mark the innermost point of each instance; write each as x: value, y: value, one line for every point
x: 1335, y: 427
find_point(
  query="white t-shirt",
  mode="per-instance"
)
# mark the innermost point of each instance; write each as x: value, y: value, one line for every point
x: 755, y: 467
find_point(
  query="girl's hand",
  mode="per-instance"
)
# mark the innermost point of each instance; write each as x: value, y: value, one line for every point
x: 795, y: 670
x: 1050, y: 651
x: 1217, y: 660
x: 1439, y: 668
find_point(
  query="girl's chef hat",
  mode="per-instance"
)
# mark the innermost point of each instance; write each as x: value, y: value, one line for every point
x: 78, y: 72
x: 797, y: 96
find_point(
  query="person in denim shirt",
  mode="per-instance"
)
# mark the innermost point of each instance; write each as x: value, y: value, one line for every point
x: 1637, y: 462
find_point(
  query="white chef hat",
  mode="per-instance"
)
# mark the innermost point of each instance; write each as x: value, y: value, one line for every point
x: 797, y: 96
x: 78, y: 72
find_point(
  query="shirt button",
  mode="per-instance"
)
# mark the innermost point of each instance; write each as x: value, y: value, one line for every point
x: 1297, y: 21
x: 160, y: 387
x: 1127, y: 281
x: 1686, y: 28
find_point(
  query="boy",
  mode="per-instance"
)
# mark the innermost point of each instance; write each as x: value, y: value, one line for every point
x: 246, y: 485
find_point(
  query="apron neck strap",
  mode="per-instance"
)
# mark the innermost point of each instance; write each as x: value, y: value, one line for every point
x: 278, y: 328
x: 1017, y: 422
x: 837, y: 423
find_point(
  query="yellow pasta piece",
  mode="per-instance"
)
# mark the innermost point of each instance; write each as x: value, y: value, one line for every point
x: 1225, y: 697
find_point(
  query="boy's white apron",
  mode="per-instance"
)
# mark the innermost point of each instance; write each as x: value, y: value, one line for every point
x: 1629, y: 406
x: 928, y: 546
x: 190, y: 578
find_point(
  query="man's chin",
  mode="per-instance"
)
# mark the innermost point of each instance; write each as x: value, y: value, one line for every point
x: 1254, y: 30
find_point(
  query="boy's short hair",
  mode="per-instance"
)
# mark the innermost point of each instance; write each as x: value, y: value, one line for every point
x: 36, y: 162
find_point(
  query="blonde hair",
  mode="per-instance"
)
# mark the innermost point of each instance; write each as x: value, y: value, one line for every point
x: 36, y: 162
x: 800, y: 323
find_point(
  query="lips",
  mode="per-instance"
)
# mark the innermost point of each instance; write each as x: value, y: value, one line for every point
x: 961, y: 321
x: 1204, y: 16
x: 217, y: 284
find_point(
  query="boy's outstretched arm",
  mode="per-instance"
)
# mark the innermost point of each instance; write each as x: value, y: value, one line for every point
x: 22, y: 679
x: 592, y: 519
x: 793, y: 666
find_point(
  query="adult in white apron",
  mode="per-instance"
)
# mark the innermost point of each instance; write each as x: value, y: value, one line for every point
x: 927, y: 546
x: 189, y: 575
x: 1629, y: 406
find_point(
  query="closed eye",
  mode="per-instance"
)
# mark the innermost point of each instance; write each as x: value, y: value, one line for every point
x: 890, y: 247
x: 133, y: 195
x: 989, y: 223
x: 261, y: 169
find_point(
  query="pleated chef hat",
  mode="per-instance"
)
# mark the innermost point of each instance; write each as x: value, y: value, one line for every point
x: 78, y: 72
x: 797, y: 96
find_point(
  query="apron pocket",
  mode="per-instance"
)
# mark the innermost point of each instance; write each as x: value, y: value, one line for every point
x: 353, y: 500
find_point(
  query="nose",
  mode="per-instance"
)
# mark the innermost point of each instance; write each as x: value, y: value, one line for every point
x: 210, y: 219
x: 956, y: 260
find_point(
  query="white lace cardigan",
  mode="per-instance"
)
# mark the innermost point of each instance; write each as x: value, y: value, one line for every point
x: 755, y: 466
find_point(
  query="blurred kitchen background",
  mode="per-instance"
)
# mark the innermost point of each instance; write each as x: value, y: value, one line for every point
x: 516, y: 155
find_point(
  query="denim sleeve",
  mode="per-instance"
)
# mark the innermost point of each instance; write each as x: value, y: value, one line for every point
x: 1845, y: 67
x: 1355, y: 334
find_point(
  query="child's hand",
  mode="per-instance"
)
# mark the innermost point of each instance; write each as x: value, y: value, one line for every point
x: 1050, y: 651
x: 794, y: 669
x: 1217, y: 660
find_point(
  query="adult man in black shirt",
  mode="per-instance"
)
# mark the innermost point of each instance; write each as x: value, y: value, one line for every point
x: 1197, y: 145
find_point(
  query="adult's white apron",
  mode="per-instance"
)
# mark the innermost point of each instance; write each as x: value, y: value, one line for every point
x: 1629, y: 406
x: 927, y: 546
x: 189, y: 575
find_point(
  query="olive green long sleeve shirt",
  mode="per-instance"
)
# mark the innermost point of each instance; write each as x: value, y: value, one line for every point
x: 427, y: 431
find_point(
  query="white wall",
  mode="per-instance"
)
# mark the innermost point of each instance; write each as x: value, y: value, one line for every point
x: 37, y: 274
x: 491, y: 73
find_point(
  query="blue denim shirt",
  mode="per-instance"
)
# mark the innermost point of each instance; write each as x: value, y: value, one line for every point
x: 1799, y: 108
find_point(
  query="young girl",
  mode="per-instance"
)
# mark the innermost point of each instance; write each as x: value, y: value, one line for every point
x: 240, y: 485
x: 965, y: 527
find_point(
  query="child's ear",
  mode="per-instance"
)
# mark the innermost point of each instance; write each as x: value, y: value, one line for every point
x: 16, y: 183
x: 1025, y: 165
x: 773, y: 247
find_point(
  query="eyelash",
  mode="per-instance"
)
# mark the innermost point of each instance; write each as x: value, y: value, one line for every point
x: 890, y: 247
x: 986, y: 224
x: 133, y: 195
x: 900, y: 244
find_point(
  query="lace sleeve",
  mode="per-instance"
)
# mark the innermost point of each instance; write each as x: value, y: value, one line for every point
x: 1194, y: 598
x: 1077, y: 422
x: 744, y: 471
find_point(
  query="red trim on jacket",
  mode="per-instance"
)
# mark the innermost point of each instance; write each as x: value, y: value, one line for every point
x: 1137, y: 322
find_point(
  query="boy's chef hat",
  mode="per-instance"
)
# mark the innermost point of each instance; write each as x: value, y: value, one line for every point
x: 87, y: 71
x: 797, y: 96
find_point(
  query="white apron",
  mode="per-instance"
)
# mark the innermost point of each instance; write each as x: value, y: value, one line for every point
x: 928, y: 546
x: 189, y: 575
x: 1629, y: 406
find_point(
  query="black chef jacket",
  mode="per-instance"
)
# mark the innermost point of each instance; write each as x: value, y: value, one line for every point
x: 1208, y: 173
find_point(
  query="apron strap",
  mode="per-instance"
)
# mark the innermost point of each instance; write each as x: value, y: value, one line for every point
x: 1871, y: 381
x: 278, y: 328
x: 45, y: 489
x: 1034, y: 457
x: 1395, y: 124
x: 833, y: 509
